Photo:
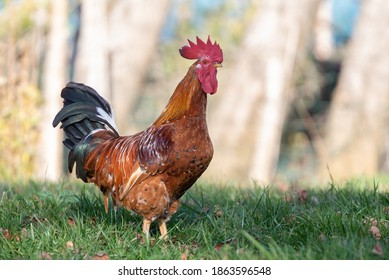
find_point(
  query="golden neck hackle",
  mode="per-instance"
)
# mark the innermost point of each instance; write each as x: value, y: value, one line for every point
x: 187, y: 99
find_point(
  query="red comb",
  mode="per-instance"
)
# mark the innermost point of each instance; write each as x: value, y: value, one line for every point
x: 196, y: 51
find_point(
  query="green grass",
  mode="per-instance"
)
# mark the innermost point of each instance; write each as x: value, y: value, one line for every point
x: 37, y: 220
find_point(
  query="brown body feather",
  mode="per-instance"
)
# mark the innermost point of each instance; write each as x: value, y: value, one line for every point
x: 149, y: 171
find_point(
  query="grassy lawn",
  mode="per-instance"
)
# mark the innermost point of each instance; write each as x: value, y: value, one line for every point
x: 67, y: 221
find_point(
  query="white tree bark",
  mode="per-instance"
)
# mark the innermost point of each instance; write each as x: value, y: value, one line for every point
x: 358, y: 115
x: 323, y: 45
x: 50, y: 147
x: 256, y: 98
x: 117, y: 41
x: 92, y: 56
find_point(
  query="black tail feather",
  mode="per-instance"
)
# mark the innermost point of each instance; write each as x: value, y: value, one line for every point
x: 84, y: 111
x: 77, y: 92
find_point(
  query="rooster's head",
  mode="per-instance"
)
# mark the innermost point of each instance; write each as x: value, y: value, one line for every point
x: 209, y: 56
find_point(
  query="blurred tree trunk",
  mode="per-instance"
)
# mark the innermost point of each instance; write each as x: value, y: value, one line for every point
x: 255, y: 102
x: 357, y: 120
x: 50, y: 151
x: 92, y: 52
x: 117, y: 41
x: 323, y: 47
x: 134, y: 33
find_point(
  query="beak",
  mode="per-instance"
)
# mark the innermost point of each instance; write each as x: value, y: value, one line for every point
x: 216, y: 65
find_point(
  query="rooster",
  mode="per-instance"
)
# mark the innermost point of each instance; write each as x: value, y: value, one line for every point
x: 149, y: 171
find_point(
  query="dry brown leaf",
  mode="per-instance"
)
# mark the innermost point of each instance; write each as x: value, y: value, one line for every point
x: 70, y: 244
x: 45, y: 256
x: 375, y: 231
x: 184, y: 256
x: 10, y: 236
x: 219, y: 214
x: 100, y: 256
x: 6, y: 234
x: 71, y: 222
x: 386, y: 210
x: 219, y: 246
x: 377, y: 250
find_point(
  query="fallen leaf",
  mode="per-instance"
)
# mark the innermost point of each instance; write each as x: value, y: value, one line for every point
x: 71, y: 222
x: 377, y: 250
x: 100, y: 256
x: 375, y: 231
x: 219, y: 214
x: 6, y: 233
x: 219, y: 246
x: 45, y: 256
x: 10, y: 236
x: 184, y: 256
x: 70, y: 244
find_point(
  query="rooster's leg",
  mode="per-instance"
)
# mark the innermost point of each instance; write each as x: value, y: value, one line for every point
x: 106, y: 203
x: 146, y: 227
x: 115, y: 206
x: 163, y: 229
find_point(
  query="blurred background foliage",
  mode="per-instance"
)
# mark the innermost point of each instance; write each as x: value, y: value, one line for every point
x: 20, y: 96
x: 323, y: 30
